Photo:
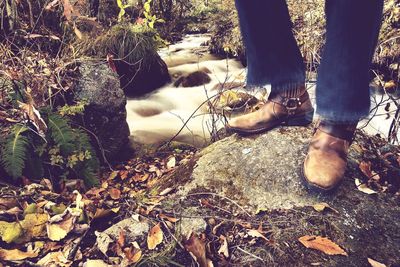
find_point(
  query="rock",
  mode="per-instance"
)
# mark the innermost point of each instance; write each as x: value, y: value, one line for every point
x: 105, y: 113
x: 196, y: 78
x: 132, y: 228
x: 261, y: 173
x: 192, y: 225
x: 139, y: 80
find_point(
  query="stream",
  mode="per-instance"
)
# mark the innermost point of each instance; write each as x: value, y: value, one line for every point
x: 160, y: 116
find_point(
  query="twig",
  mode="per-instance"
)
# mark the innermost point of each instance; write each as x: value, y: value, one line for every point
x: 214, y: 194
x: 250, y: 254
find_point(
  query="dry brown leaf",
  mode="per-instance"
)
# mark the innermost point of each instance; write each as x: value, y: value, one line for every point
x: 375, y: 263
x: 34, y: 117
x: 121, y: 239
x: 16, y: 255
x: 133, y: 254
x: 115, y: 193
x: 224, y: 250
x: 366, y: 169
x: 55, y: 259
x: 322, y: 244
x: 197, y: 249
x: 256, y: 233
x: 168, y: 218
x: 141, y: 178
x: 68, y: 9
x: 155, y: 237
x: 59, y: 230
x: 123, y: 174
x: 52, y: 5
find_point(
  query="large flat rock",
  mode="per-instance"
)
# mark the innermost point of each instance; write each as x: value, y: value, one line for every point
x: 263, y: 173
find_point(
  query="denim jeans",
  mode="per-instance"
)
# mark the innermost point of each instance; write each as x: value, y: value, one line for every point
x: 343, y: 77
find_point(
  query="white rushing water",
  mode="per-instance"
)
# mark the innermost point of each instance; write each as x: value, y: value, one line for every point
x: 159, y: 116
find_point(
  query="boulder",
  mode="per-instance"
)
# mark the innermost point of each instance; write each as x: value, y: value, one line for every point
x: 137, y: 80
x: 193, y: 79
x: 262, y: 174
x: 105, y: 113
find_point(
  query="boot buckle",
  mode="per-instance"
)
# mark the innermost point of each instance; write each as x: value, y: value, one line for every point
x: 291, y: 104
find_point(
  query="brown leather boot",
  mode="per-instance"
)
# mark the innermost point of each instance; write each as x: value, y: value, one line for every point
x: 278, y: 110
x: 325, y: 164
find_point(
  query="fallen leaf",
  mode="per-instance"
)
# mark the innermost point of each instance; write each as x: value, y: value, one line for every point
x: 133, y: 254
x: 16, y: 255
x: 256, y: 233
x: 166, y: 191
x: 115, y: 193
x: 366, y: 169
x: 10, y: 232
x: 197, y: 249
x: 34, y: 117
x: 375, y: 263
x: 121, y: 239
x: 34, y: 225
x: 123, y: 175
x: 322, y: 244
x: 68, y: 9
x: 8, y: 203
x: 224, y: 247
x: 55, y: 259
x: 103, y: 241
x: 364, y: 188
x: 141, y: 178
x: 59, y: 230
x: 95, y: 263
x: 155, y: 237
x: 171, y: 162
x: 168, y: 218
x: 51, y: 5
x: 320, y: 207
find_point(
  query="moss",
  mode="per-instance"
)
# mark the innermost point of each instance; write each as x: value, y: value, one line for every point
x: 127, y: 42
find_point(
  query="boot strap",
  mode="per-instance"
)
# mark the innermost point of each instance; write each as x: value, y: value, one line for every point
x: 342, y: 131
x: 290, y: 103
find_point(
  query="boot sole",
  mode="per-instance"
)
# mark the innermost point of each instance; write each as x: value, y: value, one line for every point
x: 313, y: 188
x: 302, y: 120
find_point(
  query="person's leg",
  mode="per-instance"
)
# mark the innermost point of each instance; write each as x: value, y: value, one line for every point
x: 342, y: 87
x: 343, y: 77
x: 274, y: 58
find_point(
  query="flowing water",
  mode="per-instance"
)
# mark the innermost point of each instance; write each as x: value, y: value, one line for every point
x: 170, y: 110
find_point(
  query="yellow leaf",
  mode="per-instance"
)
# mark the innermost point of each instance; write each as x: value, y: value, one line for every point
x: 34, y: 224
x: 31, y: 208
x: 10, y: 232
x: 16, y: 255
x: 155, y: 237
x: 78, y: 33
x: 320, y: 207
x: 322, y: 244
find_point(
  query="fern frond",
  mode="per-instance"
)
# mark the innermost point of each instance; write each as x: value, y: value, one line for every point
x: 89, y: 176
x: 61, y: 132
x: 14, y: 152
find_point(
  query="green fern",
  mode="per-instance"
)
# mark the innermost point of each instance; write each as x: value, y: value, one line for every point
x: 89, y: 171
x: 14, y: 152
x: 61, y: 132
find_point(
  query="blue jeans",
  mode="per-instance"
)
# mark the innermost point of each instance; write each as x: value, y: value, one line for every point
x: 343, y: 77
